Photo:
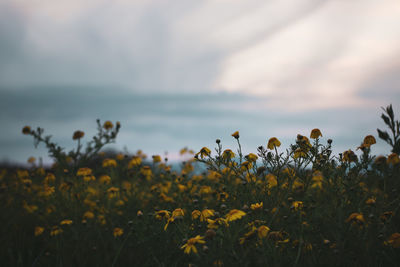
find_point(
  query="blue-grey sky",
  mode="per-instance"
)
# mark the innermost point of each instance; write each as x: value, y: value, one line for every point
x: 183, y: 73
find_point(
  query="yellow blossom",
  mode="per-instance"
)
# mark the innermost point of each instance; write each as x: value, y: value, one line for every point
x: 204, y: 152
x: 236, y: 134
x: 370, y: 201
x: 118, y: 232
x: 108, y: 125
x: 356, y: 218
x: 190, y: 245
x: 297, y: 205
x: 273, y: 142
x: 84, y: 171
x: 257, y: 206
x: 271, y: 180
x: 252, y: 157
x: 39, y: 230
x: 156, y: 158
x: 163, y: 214
x: 105, y: 179
x: 262, y: 231
x: 135, y: 161
x: 234, y: 214
x: 315, y: 133
x: 178, y: 213
x: 369, y: 140
x: 393, y: 159
x: 78, y: 135
x: 66, y: 222
x: 228, y: 154
x: 393, y: 240
x: 88, y: 215
x: 55, y: 230
x: 109, y: 163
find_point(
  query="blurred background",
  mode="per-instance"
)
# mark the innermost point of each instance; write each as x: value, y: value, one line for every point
x: 183, y: 73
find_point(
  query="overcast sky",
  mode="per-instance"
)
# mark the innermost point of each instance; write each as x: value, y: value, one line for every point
x: 265, y: 67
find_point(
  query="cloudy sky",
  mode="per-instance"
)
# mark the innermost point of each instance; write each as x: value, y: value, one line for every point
x: 183, y: 73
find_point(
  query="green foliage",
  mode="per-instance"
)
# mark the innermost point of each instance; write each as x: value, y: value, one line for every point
x: 394, y: 127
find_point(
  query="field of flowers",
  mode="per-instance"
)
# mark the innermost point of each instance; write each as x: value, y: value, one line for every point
x: 302, y: 206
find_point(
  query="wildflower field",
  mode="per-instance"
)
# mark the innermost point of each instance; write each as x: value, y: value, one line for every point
x: 300, y: 206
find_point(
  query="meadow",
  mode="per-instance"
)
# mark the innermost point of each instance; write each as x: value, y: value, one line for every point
x: 300, y: 206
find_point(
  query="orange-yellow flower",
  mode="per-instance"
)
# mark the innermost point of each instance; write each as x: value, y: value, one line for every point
x: 236, y: 134
x: 156, y: 158
x: 393, y: 159
x: 135, y: 161
x: 109, y: 163
x: 55, y: 231
x: 349, y: 156
x: 108, y: 125
x: 315, y: 133
x: 84, y: 171
x: 234, y: 214
x: 262, y: 231
x: 257, y: 206
x: 178, y: 213
x: 78, y: 135
x: 26, y: 130
x: 163, y: 214
x: 271, y: 180
x: 39, y: 230
x: 66, y: 222
x: 356, y: 218
x: 190, y: 245
x: 273, y: 142
x: 204, y: 152
x: 118, y: 232
x: 393, y: 240
x: 228, y: 154
x: 252, y: 157
x: 369, y: 140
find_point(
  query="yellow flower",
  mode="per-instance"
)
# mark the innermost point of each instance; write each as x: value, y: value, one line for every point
x: 66, y: 222
x: 214, y: 224
x: 271, y: 180
x: 135, y: 161
x: 297, y: 205
x: 78, y: 135
x: 204, y: 152
x: 273, y: 142
x: 190, y: 244
x: 156, y: 158
x: 118, y: 232
x: 84, y: 171
x: 252, y: 157
x: 369, y: 140
x: 39, y: 230
x: 196, y: 214
x: 370, y: 201
x: 349, y: 156
x: 105, y: 179
x: 228, y: 154
x: 236, y: 134
x: 257, y: 206
x: 26, y: 130
x: 109, y: 163
x: 234, y: 215
x: 299, y: 153
x: 247, y: 236
x: 246, y: 165
x: 163, y: 214
x: 262, y: 231
x: 393, y: 159
x: 356, y: 218
x: 178, y: 213
x: 317, y: 180
x: 108, y: 125
x: 315, y: 133
x: 31, y: 160
x: 88, y: 215
x: 55, y: 231
x: 394, y: 240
